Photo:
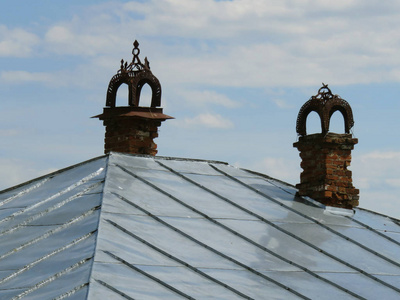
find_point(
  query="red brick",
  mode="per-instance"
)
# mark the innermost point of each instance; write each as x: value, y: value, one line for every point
x: 325, y: 177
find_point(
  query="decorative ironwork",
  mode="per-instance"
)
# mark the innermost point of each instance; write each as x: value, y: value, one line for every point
x: 135, y: 75
x: 324, y: 104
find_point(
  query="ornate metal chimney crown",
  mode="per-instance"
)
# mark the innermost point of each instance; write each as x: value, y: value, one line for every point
x: 326, y: 156
x: 135, y: 75
x: 132, y: 128
x: 324, y: 104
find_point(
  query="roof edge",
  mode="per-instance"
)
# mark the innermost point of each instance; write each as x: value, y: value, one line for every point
x: 50, y: 174
x: 397, y: 221
x: 172, y: 158
x: 269, y: 177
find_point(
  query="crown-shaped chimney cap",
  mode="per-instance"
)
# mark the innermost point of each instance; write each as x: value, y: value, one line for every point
x: 133, y: 128
x: 324, y: 104
x: 135, y: 75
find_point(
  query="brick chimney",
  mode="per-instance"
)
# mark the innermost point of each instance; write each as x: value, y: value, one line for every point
x: 132, y: 129
x: 326, y: 156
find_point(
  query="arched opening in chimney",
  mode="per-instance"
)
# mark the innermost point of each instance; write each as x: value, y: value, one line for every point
x: 313, y: 123
x: 337, y: 123
x: 146, y: 95
x: 122, y: 95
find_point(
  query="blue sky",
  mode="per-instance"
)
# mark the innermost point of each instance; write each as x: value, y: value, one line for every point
x: 234, y: 75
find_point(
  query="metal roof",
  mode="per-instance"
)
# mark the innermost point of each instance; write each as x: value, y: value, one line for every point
x: 134, y: 227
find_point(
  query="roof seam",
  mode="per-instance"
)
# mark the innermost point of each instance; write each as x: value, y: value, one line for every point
x: 187, y: 265
x: 170, y: 287
x: 98, y: 221
x: 50, y: 175
x: 49, y: 232
x: 271, y: 179
x: 54, y: 196
x: 53, y: 277
x: 375, y: 231
x: 49, y: 210
x: 25, y: 191
x: 175, y: 229
x: 255, y: 243
x: 71, y: 292
x: 313, y: 220
x: 396, y: 221
x: 110, y: 287
x: 48, y: 255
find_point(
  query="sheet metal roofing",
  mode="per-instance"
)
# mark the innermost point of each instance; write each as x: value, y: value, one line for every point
x: 132, y: 227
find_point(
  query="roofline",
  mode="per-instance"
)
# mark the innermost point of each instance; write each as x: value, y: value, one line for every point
x: 269, y: 177
x: 397, y: 221
x: 50, y: 174
x: 172, y: 158
x: 106, y: 155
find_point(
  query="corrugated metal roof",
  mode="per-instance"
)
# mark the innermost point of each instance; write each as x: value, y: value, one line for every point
x: 132, y: 227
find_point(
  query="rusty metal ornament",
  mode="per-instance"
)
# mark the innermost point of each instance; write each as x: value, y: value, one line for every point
x: 324, y: 104
x: 135, y: 75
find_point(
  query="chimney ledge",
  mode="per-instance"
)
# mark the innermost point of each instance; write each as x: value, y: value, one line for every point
x: 332, y: 138
x: 135, y: 112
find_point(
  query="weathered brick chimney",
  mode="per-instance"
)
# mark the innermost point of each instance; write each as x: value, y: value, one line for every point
x: 326, y: 156
x: 132, y: 129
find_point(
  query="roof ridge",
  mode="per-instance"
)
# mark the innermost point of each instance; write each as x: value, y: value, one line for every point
x: 168, y: 158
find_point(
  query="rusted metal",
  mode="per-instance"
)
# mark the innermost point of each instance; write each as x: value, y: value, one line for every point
x: 137, y: 112
x: 135, y: 75
x: 324, y: 104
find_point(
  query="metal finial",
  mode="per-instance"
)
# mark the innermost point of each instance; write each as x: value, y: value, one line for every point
x: 136, y: 64
x: 136, y: 52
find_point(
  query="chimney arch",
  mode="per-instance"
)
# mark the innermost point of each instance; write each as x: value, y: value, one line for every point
x: 135, y: 82
x: 325, y: 104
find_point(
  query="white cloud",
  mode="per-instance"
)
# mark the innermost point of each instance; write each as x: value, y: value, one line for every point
x: 208, y: 120
x: 303, y: 53
x: 18, y: 77
x: 16, y: 42
x: 282, y: 103
x: 377, y: 175
x: 378, y: 169
x: 280, y: 168
x: 70, y: 39
x: 380, y: 156
x: 206, y: 97
x: 382, y: 201
x: 241, y: 43
x: 78, y: 76
x: 59, y: 34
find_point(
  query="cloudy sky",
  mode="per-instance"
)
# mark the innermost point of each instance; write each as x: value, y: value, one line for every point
x: 234, y: 75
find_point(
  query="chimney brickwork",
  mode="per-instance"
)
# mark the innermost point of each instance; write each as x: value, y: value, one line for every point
x: 325, y: 177
x: 131, y: 135
x: 326, y: 156
x: 132, y: 129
